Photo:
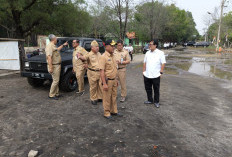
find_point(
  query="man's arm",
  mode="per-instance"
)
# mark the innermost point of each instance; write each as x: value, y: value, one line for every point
x: 162, y: 68
x: 163, y: 61
x: 61, y: 46
x: 102, y: 73
x: 83, y: 58
x: 74, y: 63
x: 144, y: 67
x: 49, y: 59
x: 103, y: 78
x: 127, y: 61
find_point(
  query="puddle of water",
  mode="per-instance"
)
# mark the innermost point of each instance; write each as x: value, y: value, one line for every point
x: 179, y: 57
x: 196, y: 65
x: 170, y: 71
x: 184, y: 66
x: 228, y: 62
x: 202, y: 68
x: 220, y: 73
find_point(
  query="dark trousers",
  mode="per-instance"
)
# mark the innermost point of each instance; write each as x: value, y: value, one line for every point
x: 155, y: 83
x: 131, y: 55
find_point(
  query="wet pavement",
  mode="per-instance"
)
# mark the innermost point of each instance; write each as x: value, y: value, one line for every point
x: 216, y: 65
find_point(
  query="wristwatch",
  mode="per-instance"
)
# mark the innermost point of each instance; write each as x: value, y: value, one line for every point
x: 161, y: 72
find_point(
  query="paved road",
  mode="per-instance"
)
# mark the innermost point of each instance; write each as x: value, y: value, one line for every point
x: 195, y: 119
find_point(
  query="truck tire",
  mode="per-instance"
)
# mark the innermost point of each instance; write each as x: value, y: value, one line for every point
x: 34, y: 82
x: 68, y: 82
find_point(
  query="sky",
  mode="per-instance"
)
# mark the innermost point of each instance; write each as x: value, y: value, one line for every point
x: 199, y: 9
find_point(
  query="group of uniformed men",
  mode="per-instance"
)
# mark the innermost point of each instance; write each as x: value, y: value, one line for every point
x: 104, y: 71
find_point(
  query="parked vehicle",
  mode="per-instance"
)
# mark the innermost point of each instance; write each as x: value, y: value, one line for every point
x: 145, y: 49
x: 184, y: 44
x: 191, y: 43
x: 201, y: 44
x: 35, y: 68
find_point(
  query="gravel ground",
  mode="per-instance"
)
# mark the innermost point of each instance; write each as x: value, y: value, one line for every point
x: 195, y: 119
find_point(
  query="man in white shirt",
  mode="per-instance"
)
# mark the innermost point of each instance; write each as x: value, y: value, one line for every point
x: 154, y: 63
x: 130, y: 49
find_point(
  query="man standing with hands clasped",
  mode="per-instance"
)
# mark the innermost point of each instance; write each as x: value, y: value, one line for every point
x: 54, y: 65
x: 123, y: 59
x: 108, y: 71
x: 79, y: 66
x: 154, y: 63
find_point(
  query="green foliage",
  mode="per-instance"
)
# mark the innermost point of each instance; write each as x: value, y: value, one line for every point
x: 226, y: 29
x: 23, y: 17
x: 169, y: 22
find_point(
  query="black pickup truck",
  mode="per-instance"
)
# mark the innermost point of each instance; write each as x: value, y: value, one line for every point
x: 35, y: 68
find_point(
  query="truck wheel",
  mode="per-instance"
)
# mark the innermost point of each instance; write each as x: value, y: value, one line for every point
x: 35, y: 82
x: 68, y: 82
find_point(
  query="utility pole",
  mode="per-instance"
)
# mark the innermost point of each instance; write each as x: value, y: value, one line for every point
x: 220, y: 22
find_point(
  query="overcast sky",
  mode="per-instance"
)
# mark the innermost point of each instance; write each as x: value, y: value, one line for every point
x: 199, y: 9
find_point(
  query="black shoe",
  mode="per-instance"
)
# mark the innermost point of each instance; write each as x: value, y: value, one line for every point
x: 59, y: 96
x: 53, y: 98
x: 80, y: 93
x: 147, y: 102
x: 117, y: 114
x: 157, y: 105
x: 109, y: 117
x: 99, y: 100
x: 94, y: 102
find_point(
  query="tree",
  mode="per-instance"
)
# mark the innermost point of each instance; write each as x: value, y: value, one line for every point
x: 180, y: 26
x: 23, y: 17
x: 150, y: 19
x: 226, y: 31
x: 166, y: 22
x: 113, y: 17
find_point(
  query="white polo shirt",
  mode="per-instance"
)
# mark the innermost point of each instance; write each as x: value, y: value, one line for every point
x: 153, y: 61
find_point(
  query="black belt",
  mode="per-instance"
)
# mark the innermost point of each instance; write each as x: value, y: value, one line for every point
x: 93, y: 70
x: 111, y: 79
x: 121, y: 68
x: 57, y: 64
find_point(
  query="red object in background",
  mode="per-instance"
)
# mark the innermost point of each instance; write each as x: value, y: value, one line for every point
x: 104, y: 44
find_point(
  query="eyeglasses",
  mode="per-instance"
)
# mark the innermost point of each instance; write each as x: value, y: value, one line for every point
x: 74, y: 42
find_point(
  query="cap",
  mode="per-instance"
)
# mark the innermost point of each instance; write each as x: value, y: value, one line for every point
x: 110, y: 42
x: 94, y: 43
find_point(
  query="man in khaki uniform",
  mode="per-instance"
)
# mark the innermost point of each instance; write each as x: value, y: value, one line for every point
x: 108, y: 71
x: 79, y: 66
x: 93, y: 73
x: 54, y: 65
x: 123, y: 58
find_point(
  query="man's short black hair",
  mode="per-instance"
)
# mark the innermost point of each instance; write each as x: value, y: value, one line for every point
x: 77, y: 40
x: 120, y: 42
x: 155, y: 42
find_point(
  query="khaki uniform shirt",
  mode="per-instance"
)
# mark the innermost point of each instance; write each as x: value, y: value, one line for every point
x: 109, y: 65
x: 122, y: 54
x: 51, y: 50
x: 93, y: 60
x: 76, y: 61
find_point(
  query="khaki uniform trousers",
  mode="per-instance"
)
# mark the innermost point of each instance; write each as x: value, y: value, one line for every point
x: 80, y: 73
x: 110, y: 98
x: 122, y: 80
x: 54, y: 90
x: 95, y: 85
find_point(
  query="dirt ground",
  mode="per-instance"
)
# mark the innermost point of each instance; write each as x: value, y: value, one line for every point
x: 194, y: 120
